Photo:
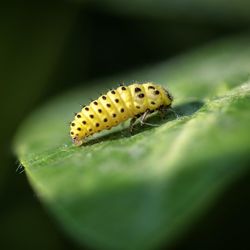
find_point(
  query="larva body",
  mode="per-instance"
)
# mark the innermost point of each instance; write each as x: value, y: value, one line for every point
x: 116, y: 106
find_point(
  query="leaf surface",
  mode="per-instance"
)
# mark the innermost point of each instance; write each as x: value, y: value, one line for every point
x: 123, y: 191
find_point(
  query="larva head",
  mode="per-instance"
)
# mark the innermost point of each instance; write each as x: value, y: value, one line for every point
x: 167, y: 98
x: 77, y: 130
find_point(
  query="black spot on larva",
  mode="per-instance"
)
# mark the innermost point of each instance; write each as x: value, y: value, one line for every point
x: 79, y: 129
x: 87, y: 109
x: 97, y: 124
x: 107, y: 126
x: 71, y: 133
x: 95, y: 102
x: 105, y: 119
x: 91, y: 116
x: 137, y: 90
x: 123, y: 88
x: 108, y: 105
x: 78, y: 116
x: 77, y: 134
x: 138, y: 107
x: 113, y: 92
x: 153, y: 103
x: 114, y: 115
x: 116, y: 100
x: 151, y: 87
x: 90, y: 129
x: 84, y: 122
x: 99, y: 110
x: 122, y: 110
x: 104, y: 97
x: 73, y: 124
x: 157, y: 92
x: 141, y: 95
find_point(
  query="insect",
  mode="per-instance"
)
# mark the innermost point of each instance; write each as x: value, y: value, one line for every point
x: 133, y: 101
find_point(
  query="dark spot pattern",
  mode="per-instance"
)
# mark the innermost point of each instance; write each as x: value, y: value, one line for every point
x: 97, y: 124
x: 157, y: 92
x: 84, y: 122
x: 137, y: 90
x: 116, y: 100
x: 108, y: 105
x: 78, y: 116
x: 73, y: 124
x: 105, y: 119
x: 91, y: 116
x: 99, y: 110
x: 95, y: 102
x: 113, y: 92
x: 71, y: 133
x: 138, y: 107
x: 123, y: 88
x: 79, y: 129
x: 87, y: 109
x: 141, y: 95
x: 122, y: 110
x: 114, y: 115
x: 153, y: 103
x: 151, y: 87
x: 104, y: 97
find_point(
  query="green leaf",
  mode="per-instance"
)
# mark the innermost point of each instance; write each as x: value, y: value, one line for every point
x: 123, y: 191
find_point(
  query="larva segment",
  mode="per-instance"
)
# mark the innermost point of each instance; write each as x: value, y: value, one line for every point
x: 110, y: 111
x: 88, y: 116
x: 126, y: 97
x: 157, y: 96
x: 139, y: 98
x: 99, y: 115
x: 154, y: 95
x: 117, y: 106
x: 77, y: 129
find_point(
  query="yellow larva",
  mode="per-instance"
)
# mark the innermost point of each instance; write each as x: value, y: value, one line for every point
x: 118, y: 105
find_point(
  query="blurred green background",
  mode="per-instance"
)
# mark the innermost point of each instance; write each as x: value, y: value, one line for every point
x: 47, y: 48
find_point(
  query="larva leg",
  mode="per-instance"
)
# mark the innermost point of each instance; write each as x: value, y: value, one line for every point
x: 144, y: 117
x: 132, y: 123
